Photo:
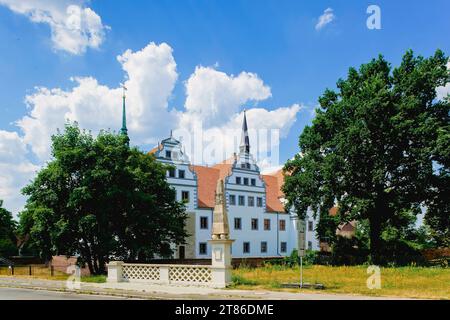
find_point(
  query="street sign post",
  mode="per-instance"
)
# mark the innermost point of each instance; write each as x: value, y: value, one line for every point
x: 301, y: 227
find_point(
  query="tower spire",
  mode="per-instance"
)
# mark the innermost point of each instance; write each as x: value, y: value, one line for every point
x: 245, y: 141
x: 124, y: 129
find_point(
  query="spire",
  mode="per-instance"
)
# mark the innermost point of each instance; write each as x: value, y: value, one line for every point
x: 245, y: 141
x: 124, y: 129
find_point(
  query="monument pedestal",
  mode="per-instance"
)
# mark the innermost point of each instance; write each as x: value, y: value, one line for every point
x: 221, y: 262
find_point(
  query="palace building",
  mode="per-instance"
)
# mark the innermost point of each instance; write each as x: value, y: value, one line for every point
x: 258, y: 221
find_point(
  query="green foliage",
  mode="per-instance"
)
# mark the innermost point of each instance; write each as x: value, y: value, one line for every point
x: 94, y: 279
x: 379, y: 148
x: 7, y: 233
x: 239, y: 280
x: 101, y: 199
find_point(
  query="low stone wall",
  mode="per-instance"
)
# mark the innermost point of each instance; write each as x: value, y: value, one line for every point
x: 62, y: 264
x: 197, y: 275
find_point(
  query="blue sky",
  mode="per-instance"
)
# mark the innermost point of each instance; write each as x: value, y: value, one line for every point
x: 277, y: 40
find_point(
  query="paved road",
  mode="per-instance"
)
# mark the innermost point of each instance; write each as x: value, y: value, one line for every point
x: 29, y: 294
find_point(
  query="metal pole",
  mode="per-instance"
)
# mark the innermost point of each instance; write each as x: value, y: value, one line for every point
x: 301, y: 271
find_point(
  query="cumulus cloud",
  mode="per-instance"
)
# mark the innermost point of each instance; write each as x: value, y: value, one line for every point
x: 214, y: 96
x: 326, y: 18
x: 74, y: 27
x: 444, y: 91
x: 151, y: 74
x: 214, y: 100
x: 15, y: 169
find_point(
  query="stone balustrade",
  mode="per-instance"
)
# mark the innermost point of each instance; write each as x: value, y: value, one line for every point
x: 176, y: 274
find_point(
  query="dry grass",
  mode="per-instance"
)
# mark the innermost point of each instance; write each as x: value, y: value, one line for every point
x: 37, y: 271
x: 412, y: 282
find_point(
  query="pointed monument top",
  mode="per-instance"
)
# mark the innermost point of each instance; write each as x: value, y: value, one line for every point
x: 220, y: 229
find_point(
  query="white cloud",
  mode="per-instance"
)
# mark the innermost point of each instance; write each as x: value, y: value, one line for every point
x: 151, y: 74
x: 74, y: 27
x: 213, y: 99
x: 15, y: 170
x: 214, y: 96
x: 444, y: 91
x: 326, y: 18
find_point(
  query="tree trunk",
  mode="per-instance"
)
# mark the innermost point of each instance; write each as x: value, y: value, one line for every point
x: 375, y: 237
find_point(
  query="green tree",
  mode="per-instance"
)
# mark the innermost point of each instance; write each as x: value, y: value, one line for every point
x: 374, y: 146
x: 7, y: 233
x: 101, y: 199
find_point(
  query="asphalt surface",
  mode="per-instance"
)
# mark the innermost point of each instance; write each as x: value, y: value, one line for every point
x: 29, y: 294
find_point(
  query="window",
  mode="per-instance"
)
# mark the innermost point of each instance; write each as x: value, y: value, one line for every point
x: 259, y: 201
x: 263, y: 246
x: 266, y: 224
x: 181, y: 174
x: 237, y: 223
x: 175, y: 155
x: 241, y: 200
x: 310, y: 226
x: 246, y: 247
x: 203, y: 222
x: 185, y: 196
x: 232, y: 199
x: 282, y: 225
x: 243, y: 166
x: 238, y: 180
x: 251, y: 201
x: 283, y: 247
x: 246, y: 181
x: 168, y: 154
x: 171, y: 172
x: 253, y: 182
x: 254, y: 224
x: 248, y: 165
x: 203, y: 248
x: 309, y: 245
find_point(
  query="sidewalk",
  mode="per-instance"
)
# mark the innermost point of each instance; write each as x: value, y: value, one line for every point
x: 157, y: 292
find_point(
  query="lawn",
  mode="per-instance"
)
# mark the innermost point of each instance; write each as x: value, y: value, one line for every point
x: 413, y: 282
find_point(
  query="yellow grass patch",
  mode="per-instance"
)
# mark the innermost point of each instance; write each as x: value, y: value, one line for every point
x: 412, y: 282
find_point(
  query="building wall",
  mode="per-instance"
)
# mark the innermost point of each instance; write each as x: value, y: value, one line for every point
x: 273, y: 237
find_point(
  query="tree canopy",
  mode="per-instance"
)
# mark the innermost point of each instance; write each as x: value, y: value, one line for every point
x: 378, y: 148
x: 7, y: 233
x: 101, y: 199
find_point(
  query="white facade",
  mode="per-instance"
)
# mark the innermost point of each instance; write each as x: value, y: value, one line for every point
x: 258, y: 231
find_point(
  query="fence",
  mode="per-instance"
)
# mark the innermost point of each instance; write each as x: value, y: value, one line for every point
x: 167, y: 274
x: 31, y: 270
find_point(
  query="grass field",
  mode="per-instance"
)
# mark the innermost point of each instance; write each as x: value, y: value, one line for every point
x: 412, y: 282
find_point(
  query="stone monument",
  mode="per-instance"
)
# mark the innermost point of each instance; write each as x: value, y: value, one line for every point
x: 220, y: 240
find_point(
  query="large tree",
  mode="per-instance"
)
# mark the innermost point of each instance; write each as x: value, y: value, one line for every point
x: 7, y: 233
x: 375, y: 147
x: 101, y: 199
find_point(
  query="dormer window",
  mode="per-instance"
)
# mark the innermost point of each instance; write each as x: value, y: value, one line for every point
x: 243, y: 166
x: 248, y: 165
x: 175, y: 155
x: 168, y: 154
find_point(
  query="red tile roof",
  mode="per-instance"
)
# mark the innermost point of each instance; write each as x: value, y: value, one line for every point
x: 273, y: 200
x: 207, y: 181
